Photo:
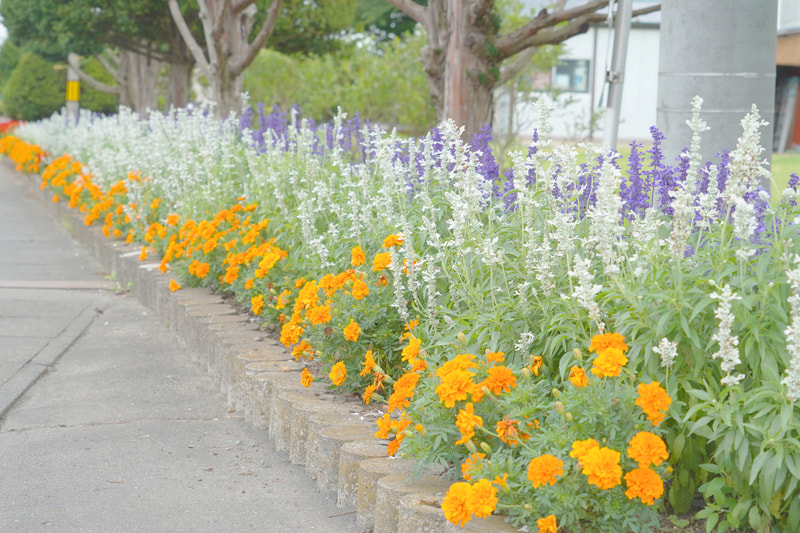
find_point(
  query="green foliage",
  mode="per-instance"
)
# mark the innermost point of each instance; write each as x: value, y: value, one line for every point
x: 35, y: 89
x: 385, y: 84
x: 9, y: 57
x: 307, y: 26
x: 93, y: 99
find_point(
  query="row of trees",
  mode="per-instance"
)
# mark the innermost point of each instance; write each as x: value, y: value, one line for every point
x: 472, y: 46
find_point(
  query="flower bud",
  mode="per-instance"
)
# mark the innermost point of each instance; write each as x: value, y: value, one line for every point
x: 420, y: 429
x: 485, y: 447
x: 576, y: 353
x: 556, y: 393
x: 559, y: 407
x: 462, y: 339
x: 568, y: 417
x: 526, y: 372
x: 471, y: 446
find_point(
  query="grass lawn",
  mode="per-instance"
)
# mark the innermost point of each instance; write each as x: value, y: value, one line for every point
x: 783, y: 165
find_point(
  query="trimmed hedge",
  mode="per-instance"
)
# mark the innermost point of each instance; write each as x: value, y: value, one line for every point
x: 35, y: 89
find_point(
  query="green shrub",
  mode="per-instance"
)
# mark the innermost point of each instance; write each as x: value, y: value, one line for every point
x: 9, y: 57
x: 93, y: 99
x: 35, y: 89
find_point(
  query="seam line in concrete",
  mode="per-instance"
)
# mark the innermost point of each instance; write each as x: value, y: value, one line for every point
x: 22, y: 380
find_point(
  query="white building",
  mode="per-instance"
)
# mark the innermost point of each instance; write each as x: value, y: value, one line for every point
x: 576, y: 89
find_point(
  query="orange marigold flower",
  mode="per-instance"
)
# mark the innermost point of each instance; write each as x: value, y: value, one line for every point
x: 257, y: 304
x: 155, y: 203
x: 368, y: 392
x: 301, y: 350
x: 501, y: 482
x: 455, y: 387
x: 581, y: 447
x: 601, y: 343
x: 466, y: 422
x: 577, y: 376
x: 172, y: 220
x: 357, y: 256
x: 338, y: 373
x: 602, y: 467
x: 483, y: 500
x: 352, y: 331
x: 308, y: 296
x: 462, y: 361
x: 231, y: 274
x: 173, y: 285
x: 381, y: 261
x: 495, y: 357
x: 282, y: 299
x: 544, y: 470
x: 403, y: 391
x: 469, y: 465
x: 609, y: 363
x: 547, y: 524
x: 418, y: 365
x: 383, y: 281
x: 249, y: 284
x: 143, y: 253
x: 299, y: 282
x: 508, y: 431
x: 393, y: 240
x: 536, y: 365
x: 320, y: 315
x: 644, y: 483
x: 647, y: 449
x: 306, y: 378
x: 360, y: 290
x: 384, y: 426
x: 201, y: 270
x: 290, y: 333
x: 457, y: 503
x: 501, y: 379
x: 367, y: 365
x: 654, y: 401
x: 411, y: 352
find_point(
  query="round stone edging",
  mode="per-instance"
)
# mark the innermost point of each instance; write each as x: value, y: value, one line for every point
x: 258, y: 376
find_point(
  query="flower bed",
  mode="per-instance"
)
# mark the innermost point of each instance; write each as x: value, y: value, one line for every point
x: 487, y: 312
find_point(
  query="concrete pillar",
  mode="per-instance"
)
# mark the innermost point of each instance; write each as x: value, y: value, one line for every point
x: 73, y: 90
x: 724, y: 51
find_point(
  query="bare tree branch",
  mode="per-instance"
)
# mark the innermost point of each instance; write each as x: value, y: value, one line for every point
x: 414, y: 10
x: 90, y: 81
x: 261, y: 38
x: 238, y: 7
x: 111, y: 69
x: 526, y: 36
x: 522, y: 60
x: 637, y: 12
x: 191, y: 43
x: 214, y: 46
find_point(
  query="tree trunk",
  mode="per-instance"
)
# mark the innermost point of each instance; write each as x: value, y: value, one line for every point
x: 180, y: 83
x: 142, y: 77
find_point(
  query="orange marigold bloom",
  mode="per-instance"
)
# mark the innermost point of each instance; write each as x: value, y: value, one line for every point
x: 155, y: 203
x: 469, y: 465
x: 536, y: 365
x: 602, y: 467
x: 647, y: 449
x: 460, y: 362
x: 547, y: 524
x: 411, y: 352
x: 381, y: 261
x: 367, y: 365
x: 301, y: 350
x: 644, y: 483
x: 466, y: 422
x: 173, y: 285
x: 654, y: 401
x: 308, y: 296
x: 257, y: 304
x: 403, y: 391
x: 231, y: 274
x: 290, y: 333
x: 455, y: 387
x: 172, y: 220
x: 360, y: 290
x: 501, y: 379
x: 368, y: 392
x: 609, y: 363
x: 338, y: 373
x: 249, y: 284
x: 483, y: 500
x: 357, y: 256
x: 577, y: 376
x: 306, y: 378
x: 352, y: 331
x: 544, y: 470
x: 282, y: 299
x: 320, y: 315
x: 143, y: 253
x: 581, y: 447
x: 601, y: 343
x: 456, y: 505
x: 201, y: 270
x: 495, y: 357
x: 393, y: 240
x: 384, y: 426
x: 508, y: 431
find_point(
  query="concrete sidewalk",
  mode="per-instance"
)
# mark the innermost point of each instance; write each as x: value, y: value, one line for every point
x: 105, y: 424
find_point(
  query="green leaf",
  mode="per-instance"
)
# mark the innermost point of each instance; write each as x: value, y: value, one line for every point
x: 742, y: 453
x: 758, y: 463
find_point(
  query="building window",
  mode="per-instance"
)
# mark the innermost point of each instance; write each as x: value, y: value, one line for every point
x: 571, y: 75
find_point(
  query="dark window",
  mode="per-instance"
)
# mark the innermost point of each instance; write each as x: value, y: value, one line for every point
x: 571, y: 75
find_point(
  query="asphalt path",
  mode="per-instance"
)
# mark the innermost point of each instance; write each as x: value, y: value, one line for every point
x: 105, y: 424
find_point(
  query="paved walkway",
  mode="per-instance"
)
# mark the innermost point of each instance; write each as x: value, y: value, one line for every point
x: 105, y: 425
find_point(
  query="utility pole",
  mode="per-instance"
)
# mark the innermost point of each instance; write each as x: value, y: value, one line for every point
x: 73, y: 90
x: 724, y: 51
x: 616, y: 76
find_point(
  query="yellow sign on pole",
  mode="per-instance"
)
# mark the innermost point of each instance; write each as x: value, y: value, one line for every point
x: 73, y: 91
